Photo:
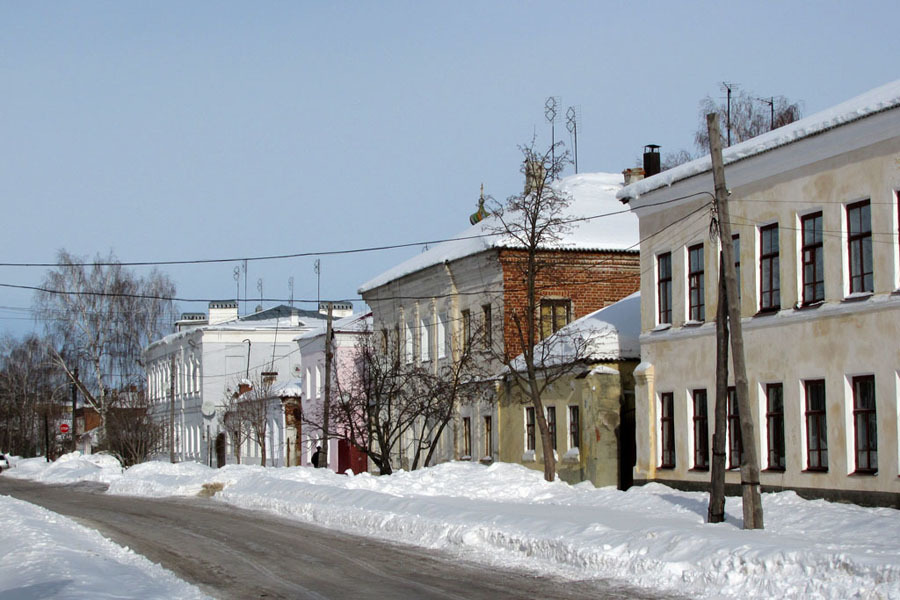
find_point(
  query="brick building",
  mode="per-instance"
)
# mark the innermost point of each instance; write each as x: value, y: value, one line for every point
x: 465, y: 291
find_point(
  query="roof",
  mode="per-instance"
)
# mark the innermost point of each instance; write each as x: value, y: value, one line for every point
x: 593, y: 195
x: 611, y: 333
x: 872, y: 102
x: 282, y: 311
x: 293, y: 388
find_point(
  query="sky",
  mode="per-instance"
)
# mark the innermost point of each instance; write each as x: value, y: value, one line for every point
x: 172, y: 131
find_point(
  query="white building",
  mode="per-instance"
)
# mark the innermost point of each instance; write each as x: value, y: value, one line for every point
x: 190, y: 374
x: 814, y: 207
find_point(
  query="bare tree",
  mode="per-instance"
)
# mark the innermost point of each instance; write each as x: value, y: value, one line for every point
x: 750, y: 116
x: 132, y: 434
x: 534, y: 223
x: 99, y: 316
x: 253, y: 406
x: 232, y: 419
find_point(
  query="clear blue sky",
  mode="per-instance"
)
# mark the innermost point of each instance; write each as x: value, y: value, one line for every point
x: 191, y: 130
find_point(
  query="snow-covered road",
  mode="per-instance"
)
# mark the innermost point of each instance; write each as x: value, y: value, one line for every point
x: 505, y: 515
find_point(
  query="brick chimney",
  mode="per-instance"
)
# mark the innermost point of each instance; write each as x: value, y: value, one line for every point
x: 633, y: 174
x: 651, y: 160
x: 222, y: 311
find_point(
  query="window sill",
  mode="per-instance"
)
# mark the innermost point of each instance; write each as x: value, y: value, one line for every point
x: 864, y: 473
x: 815, y: 470
x: 774, y: 470
x: 465, y: 457
x: 528, y: 456
x: 700, y: 469
x: 572, y: 455
x: 666, y: 467
x: 693, y: 323
x: 857, y: 296
x: 661, y: 327
x: 767, y: 312
x: 809, y: 306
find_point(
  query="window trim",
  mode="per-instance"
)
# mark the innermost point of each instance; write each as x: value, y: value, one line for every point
x: 856, y: 243
x: 735, y: 437
x: 775, y: 418
x: 554, y: 306
x: 773, y: 259
x: 551, y: 424
x: 667, y: 430
x: 530, y: 441
x: 700, y: 429
x: 467, y: 437
x: 696, y: 283
x: 664, y: 289
x: 488, y: 436
x: 871, y: 415
x: 574, y: 427
x: 819, y: 417
x: 816, y: 247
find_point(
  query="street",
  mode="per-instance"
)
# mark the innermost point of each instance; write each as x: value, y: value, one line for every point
x: 232, y: 553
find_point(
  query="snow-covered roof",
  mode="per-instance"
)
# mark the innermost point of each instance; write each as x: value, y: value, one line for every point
x: 874, y: 101
x: 293, y: 388
x: 350, y: 324
x: 593, y: 195
x: 611, y: 333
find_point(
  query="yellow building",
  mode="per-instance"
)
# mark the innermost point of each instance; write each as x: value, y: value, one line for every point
x: 589, y: 409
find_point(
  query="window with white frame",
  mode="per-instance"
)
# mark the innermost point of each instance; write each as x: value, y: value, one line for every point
x: 425, y: 348
x: 664, y: 287
x: 865, y: 424
x: 696, y: 287
x: 769, y: 269
x: 701, y: 431
x: 859, y: 247
x: 812, y: 258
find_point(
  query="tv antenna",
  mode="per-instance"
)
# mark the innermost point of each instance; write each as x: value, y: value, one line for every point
x: 291, y: 288
x: 317, y: 267
x: 572, y: 126
x: 237, y: 284
x: 771, y: 102
x: 550, y: 107
x: 728, y: 87
x: 259, y: 287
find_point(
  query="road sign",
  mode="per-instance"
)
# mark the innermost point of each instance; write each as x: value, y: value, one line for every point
x: 64, y: 428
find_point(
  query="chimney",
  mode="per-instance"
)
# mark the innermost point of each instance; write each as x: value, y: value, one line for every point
x: 651, y: 160
x: 222, y: 311
x: 633, y: 174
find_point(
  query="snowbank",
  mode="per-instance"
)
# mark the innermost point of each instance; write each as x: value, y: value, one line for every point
x: 45, y: 555
x: 508, y: 516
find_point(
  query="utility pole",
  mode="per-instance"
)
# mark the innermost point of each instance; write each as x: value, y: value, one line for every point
x: 716, y: 512
x: 753, y: 514
x: 172, y: 409
x: 326, y: 401
x: 74, y: 402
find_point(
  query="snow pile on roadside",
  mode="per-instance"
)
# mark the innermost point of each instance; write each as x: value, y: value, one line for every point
x: 508, y: 516
x: 68, y: 468
x: 45, y: 555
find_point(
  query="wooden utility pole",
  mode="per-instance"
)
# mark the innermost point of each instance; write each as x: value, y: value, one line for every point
x: 326, y: 401
x: 172, y: 409
x: 74, y: 403
x: 753, y: 513
x: 716, y: 512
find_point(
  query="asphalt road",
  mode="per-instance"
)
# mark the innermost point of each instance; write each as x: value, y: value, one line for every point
x: 233, y: 553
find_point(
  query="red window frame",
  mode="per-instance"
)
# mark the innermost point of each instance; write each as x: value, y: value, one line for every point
x: 859, y: 246
x: 812, y: 258
x: 696, y: 299
x: 735, y: 441
x: 701, y: 431
x: 664, y: 287
x: 667, y: 430
x: 769, y: 269
x: 816, y: 425
x: 865, y: 424
x: 775, y: 426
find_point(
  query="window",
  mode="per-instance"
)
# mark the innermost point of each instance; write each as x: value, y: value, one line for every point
x: 443, y: 340
x: 555, y: 313
x: 667, y: 430
x: 865, y: 424
x: 529, y: 428
x: 769, y: 269
x: 664, y: 287
x: 859, y: 246
x: 813, y: 257
x: 775, y: 426
x: 574, y: 428
x: 816, y: 430
x: 735, y: 443
x: 701, y: 431
x: 384, y: 341
x: 736, y: 244
x: 466, y: 330
x: 467, y: 437
x: 488, y: 326
x: 488, y: 437
x: 425, y: 348
x: 408, y: 350
x: 551, y: 425
x: 695, y: 283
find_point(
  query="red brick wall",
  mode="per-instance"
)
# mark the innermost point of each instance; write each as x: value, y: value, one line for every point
x: 591, y: 280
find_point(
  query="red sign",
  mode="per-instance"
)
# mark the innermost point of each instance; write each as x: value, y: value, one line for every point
x: 64, y: 428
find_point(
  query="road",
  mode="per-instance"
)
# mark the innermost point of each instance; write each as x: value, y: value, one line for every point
x: 233, y: 553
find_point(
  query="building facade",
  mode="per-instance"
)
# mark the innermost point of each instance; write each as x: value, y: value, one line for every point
x: 814, y: 215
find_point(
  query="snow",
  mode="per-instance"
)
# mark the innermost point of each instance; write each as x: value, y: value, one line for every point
x: 874, y: 101
x: 46, y: 555
x: 507, y: 516
x: 610, y: 333
x: 592, y: 194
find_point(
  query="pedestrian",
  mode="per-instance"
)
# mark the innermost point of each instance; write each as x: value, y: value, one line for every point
x: 317, y: 455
